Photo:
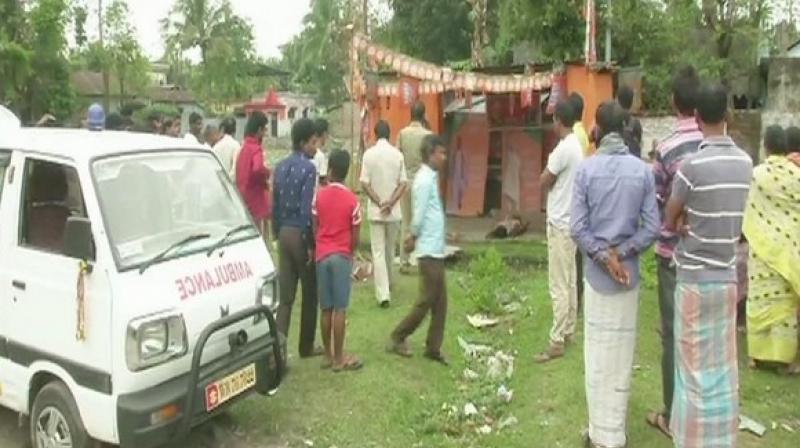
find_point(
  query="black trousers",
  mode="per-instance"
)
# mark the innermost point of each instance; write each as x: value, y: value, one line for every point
x: 295, y: 266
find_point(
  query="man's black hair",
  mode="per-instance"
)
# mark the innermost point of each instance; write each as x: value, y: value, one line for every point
x: 228, y: 126
x: 565, y: 113
x: 194, y: 117
x: 610, y: 118
x: 321, y: 127
x: 685, y: 87
x: 775, y: 140
x: 712, y: 103
x: 382, y: 130
x: 338, y: 165
x: 154, y: 116
x: 429, y: 144
x: 418, y: 111
x: 303, y: 131
x: 625, y: 97
x: 114, y: 122
x: 793, y: 139
x: 255, y: 124
x: 577, y: 104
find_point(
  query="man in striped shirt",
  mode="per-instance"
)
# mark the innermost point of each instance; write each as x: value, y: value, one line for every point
x: 707, y: 204
x: 683, y: 141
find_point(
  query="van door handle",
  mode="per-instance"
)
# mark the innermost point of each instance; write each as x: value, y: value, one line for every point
x: 18, y: 284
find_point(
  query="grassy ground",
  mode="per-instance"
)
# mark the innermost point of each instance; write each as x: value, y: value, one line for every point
x: 399, y: 403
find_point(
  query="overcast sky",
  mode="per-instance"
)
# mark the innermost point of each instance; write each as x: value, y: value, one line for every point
x: 274, y: 22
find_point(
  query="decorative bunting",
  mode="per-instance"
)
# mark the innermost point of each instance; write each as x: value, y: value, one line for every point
x: 420, y: 77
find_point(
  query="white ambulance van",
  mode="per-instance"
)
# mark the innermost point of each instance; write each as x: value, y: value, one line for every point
x: 136, y: 295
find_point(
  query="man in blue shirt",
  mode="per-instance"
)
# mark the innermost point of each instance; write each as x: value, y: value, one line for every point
x: 295, y: 180
x: 614, y: 219
x: 427, y: 240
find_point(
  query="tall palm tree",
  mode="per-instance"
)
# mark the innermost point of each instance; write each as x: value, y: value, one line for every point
x: 480, y: 34
x: 191, y: 24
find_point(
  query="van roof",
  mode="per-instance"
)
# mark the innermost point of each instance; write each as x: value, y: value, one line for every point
x: 82, y: 145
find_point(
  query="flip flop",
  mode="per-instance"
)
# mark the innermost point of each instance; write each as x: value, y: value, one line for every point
x: 658, y: 421
x: 351, y: 365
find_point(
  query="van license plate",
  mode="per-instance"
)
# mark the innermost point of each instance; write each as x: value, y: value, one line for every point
x: 217, y: 393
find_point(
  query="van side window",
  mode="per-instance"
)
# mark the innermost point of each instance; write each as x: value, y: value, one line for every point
x: 52, y: 193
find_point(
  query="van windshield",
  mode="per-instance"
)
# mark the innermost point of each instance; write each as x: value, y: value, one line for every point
x: 151, y: 201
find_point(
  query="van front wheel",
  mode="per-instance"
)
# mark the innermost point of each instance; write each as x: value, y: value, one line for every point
x: 55, y: 421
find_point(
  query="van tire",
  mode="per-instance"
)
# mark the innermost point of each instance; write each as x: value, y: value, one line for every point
x: 56, y: 396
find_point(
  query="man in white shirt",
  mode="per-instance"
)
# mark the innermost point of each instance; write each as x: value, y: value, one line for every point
x: 320, y: 159
x: 384, y: 180
x: 227, y: 148
x: 558, y: 179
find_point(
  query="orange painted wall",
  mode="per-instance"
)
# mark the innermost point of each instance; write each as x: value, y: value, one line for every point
x: 595, y: 88
x: 392, y: 110
x: 473, y: 137
x: 529, y: 149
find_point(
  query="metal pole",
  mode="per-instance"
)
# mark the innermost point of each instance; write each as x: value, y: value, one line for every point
x: 106, y: 74
x: 608, y: 34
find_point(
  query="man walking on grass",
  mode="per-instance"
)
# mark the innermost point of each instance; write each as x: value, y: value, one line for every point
x: 293, y: 194
x: 683, y: 141
x: 427, y: 237
x: 614, y: 219
x: 706, y: 206
x: 409, y: 143
x: 337, y: 214
x: 383, y: 179
x: 558, y: 178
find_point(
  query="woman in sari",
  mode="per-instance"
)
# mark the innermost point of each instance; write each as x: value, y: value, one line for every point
x: 772, y: 226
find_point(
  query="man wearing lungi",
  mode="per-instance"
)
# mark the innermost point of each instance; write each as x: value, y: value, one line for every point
x: 614, y: 219
x: 707, y: 205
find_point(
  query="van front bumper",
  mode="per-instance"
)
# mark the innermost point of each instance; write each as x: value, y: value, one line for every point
x: 141, y: 419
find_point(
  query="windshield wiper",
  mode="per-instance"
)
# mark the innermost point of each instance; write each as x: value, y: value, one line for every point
x: 222, y: 241
x: 163, y: 254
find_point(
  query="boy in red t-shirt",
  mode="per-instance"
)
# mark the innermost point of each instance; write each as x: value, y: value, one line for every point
x: 337, y: 218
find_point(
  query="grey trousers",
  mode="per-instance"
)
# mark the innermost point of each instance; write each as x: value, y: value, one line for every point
x: 666, y: 304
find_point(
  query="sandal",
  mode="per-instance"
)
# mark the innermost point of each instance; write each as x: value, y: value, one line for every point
x: 350, y: 365
x: 552, y: 352
x: 659, y: 421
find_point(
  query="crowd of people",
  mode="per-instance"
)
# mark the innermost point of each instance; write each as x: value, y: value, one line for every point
x: 699, y: 201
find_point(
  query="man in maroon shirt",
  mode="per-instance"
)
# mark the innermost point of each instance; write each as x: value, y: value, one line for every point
x: 252, y: 174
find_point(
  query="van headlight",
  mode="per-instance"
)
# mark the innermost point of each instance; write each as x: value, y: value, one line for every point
x: 154, y: 340
x: 268, y: 292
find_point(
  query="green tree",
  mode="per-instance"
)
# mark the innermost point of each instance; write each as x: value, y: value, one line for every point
x: 227, y: 71
x: 556, y: 29
x: 318, y: 56
x: 437, y: 31
x: 125, y: 57
x: 191, y: 24
x: 225, y: 41
x: 48, y: 86
x: 15, y: 56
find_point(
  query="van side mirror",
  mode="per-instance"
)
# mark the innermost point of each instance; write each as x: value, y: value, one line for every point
x: 78, y: 241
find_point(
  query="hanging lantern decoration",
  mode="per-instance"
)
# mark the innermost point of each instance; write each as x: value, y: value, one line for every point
x: 557, y: 92
x: 409, y: 91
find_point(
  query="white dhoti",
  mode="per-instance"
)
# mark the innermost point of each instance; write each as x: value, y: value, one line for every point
x: 610, y: 332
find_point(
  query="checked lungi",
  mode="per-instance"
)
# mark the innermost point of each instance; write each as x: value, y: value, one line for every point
x: 705, y: 408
